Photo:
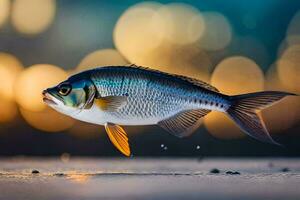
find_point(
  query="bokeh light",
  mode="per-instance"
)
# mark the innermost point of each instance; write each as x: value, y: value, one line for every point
x: 4, y: 11
x: 47, y: 120
x: 32, y: 16
x: 218, y: 32
x: 288, y: 68
x: 289, y: 107
x: 221, y: 126
x: 234, y: 75
x: 272, y: 82
x: 105, y: 57
x: 135, y: 33
x: 28, y: 92
x: 10, y: 68
x: 179, y: 23
x: 238, y: 75
x: 188, y: 60
x: 32, y: 81
x: 164, y: 37
x: 8, y: 110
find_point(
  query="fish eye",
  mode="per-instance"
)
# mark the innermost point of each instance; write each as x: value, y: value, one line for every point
x: 64, y: 89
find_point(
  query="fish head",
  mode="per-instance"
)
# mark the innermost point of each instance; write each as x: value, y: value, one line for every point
x: 70, y: 96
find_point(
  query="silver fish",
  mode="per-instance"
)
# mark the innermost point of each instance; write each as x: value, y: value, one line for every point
x: 129, y: 95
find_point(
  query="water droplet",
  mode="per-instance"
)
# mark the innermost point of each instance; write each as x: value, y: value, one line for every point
x: 198, y: 147
x: 162, y: 145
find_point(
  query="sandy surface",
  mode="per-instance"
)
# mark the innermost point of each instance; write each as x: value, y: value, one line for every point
x: 83, y: 178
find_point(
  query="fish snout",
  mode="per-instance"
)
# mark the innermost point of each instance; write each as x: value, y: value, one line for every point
x: 44, y: 92
x: 47, y: 98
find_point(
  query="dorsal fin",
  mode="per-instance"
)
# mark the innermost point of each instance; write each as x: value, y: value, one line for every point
x: 194, y: 81
x: 183, y: 124
x: 198, y: 83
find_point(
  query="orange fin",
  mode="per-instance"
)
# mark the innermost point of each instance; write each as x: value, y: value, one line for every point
x: 111, y: 103
x: 118, y: 137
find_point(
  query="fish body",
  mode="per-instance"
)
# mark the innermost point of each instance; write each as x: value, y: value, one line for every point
x: 152, y: 96
x: 129, y: 95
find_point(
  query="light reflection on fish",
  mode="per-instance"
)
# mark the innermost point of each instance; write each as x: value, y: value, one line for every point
x: 129, y: 95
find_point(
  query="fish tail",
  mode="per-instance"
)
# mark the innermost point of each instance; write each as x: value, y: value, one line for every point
x: 243, y: 111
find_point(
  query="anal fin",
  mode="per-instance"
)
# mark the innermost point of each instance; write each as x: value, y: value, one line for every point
x: 118, y: 137
x: 184, y: 123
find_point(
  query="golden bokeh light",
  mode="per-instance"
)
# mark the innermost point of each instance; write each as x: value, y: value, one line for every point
x: 221, y: 126
x: 283, y: 115
x: 238, y: 75
x: 47, y: 120
x: 288, y: 68
x: 4, y: 11
x: 10, y: 68
x: 289, y: 107
x: 232, y: 76
x: 188, y: 60
x: 272, y: 82
x: 179, y: 23
x: 32, y: 81
x: 8, y: 110
x: 135, y: 34
x: 164, y: 37
x: 218, y: 32
x: 105, y: 57
x: 32, y: 16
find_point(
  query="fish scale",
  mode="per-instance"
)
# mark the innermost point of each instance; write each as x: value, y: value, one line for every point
x: 146, y: 97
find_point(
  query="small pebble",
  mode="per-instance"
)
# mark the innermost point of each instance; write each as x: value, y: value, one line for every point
x: 162, y: 145
x: 165, y: 148
x: 214, y: 171
x: 285, y: 169
x: 59, y: 174
x: 233, y: 173
x: 198, y: 147
x: 35, y: 171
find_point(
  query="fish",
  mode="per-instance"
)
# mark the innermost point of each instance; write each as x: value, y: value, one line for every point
x: 117, y: 96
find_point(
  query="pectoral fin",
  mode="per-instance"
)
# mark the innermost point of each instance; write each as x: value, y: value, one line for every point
x: 185, y: 123
x: 111, y: 103
x: 118, y: 137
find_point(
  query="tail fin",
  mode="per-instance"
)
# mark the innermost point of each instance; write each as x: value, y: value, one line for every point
x: 243, y: 111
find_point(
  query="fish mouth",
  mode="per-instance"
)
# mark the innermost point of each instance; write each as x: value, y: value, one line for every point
x: 48, y: 98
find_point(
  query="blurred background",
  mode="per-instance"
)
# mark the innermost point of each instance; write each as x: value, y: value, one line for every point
x: 237, y: 46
